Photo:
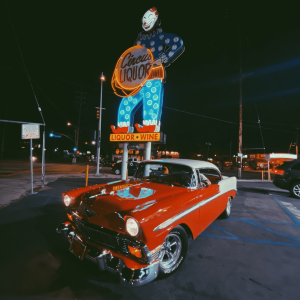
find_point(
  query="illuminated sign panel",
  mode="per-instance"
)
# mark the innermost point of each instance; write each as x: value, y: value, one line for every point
x: 134, y: 67
x: 136, y: 137
x: 139, y: 73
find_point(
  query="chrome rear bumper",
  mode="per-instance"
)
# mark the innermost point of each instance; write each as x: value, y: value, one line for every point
x: 107, y: 262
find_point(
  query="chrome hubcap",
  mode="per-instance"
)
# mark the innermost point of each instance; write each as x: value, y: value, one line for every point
x: 296, y: 190
x: 171, y: 251
x: 228, y: 207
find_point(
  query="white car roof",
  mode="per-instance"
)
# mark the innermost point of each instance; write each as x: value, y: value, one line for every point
x: 192, y: 163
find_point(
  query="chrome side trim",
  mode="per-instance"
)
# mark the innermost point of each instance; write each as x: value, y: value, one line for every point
x: 186, y: 212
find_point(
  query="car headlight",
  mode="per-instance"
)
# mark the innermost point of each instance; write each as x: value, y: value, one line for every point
x: 132, y: 226
x: 67, y: 200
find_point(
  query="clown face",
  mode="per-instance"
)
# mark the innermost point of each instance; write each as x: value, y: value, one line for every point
x: 149, y: 19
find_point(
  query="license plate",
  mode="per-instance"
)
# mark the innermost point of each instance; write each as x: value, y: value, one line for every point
x: 77, y: 248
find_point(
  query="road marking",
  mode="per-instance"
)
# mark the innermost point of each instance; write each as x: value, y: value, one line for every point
x: 251, y: 222
x: 47, y: 200
x: 250, y: 240
x: 291, y: 215
x: 292, y: 209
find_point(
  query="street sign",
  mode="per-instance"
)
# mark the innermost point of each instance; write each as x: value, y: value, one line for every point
x: 30, y: 131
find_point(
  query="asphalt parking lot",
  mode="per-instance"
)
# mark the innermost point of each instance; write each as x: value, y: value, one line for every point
x: 252, y: 255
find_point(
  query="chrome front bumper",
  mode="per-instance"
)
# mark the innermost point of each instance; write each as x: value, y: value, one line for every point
x: 107, y: 262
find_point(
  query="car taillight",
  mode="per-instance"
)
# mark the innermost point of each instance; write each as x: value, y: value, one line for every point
x: 112, y: 165
x: 279, y: 172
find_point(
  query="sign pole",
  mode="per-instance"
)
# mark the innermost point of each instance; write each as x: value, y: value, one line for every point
x: 124, y: 161
x: 31, y: 166
x: 43, y: 160
x: 99, y: 127
x: 148, y: 151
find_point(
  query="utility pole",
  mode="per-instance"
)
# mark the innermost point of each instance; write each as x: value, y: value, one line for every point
x: 4, y: 129
x: 81, y: 97
x: 230, y: 154
x: 297, y: 142
x: 208, y: 144
x: 240, y: 108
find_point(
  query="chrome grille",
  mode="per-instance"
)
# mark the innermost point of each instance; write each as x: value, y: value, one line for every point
x: 109, y: 239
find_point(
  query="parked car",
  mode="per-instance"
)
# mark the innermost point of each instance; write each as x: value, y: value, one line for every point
x: 139, y: 228
x: 117, y: 167
x: 287, y: 177
x: 255, y: 165
x: 227, y: 163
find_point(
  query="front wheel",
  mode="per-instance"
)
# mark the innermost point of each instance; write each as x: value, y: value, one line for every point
x: 173, y: 251
x: 295, y: 189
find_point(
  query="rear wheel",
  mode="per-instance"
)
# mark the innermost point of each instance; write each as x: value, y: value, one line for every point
x: 226, y: 213
x: 173, y: 251
x: 295, y: 189
x: 117, y: 171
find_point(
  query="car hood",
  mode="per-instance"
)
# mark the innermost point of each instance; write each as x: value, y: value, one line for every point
x: 107, y: 205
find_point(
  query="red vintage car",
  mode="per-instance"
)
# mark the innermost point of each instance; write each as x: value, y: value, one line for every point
x: 139, y: 228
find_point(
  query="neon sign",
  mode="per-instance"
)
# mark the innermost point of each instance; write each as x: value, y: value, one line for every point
x: 139, y: 74
x: 136, y: 137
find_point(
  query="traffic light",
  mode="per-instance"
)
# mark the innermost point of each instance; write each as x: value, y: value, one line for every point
x: 98, y: 113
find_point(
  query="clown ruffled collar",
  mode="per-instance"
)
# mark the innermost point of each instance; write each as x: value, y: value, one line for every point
x: 148, y: 35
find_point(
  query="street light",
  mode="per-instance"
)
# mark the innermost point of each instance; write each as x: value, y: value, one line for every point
x: 102, y: 78
x: 70, y: 124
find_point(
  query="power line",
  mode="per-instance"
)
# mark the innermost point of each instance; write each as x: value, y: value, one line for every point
x: 48, y: 98
x: 59, y: 79
x: 39, y: 108
x: 220, y: 120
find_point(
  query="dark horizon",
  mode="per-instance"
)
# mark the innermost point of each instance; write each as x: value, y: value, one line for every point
x: 68, y: 45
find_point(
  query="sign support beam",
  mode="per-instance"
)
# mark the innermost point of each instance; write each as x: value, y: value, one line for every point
x: 43, y: 159
x: 31, y: 166
x: 124, y: 161
x: 148, y: 151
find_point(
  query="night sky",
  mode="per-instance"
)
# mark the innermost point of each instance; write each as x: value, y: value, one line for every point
x: 67, y: 44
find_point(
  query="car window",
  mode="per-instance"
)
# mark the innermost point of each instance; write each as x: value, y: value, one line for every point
x: 167, y: 173
x: 202, y: 179
x: 296, y: 167
x: 212, y: 174
x: 209, y: 171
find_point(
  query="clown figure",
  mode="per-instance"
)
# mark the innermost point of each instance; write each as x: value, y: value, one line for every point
x: 165, y: 48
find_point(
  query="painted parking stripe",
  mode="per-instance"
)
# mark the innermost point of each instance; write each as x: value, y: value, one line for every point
x: 273, y: 231
x: 47, y: 200
x: 287, y: 211
x: 222, y: 230
x: 295, y: 211
x: 262, y: 221
x: 250, y: 240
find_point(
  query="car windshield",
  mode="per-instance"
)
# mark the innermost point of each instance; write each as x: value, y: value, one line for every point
x: 166, y: 173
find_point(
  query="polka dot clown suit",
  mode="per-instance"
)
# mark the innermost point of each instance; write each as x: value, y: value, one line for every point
x: 152, y: 95
x: 165, y: 48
